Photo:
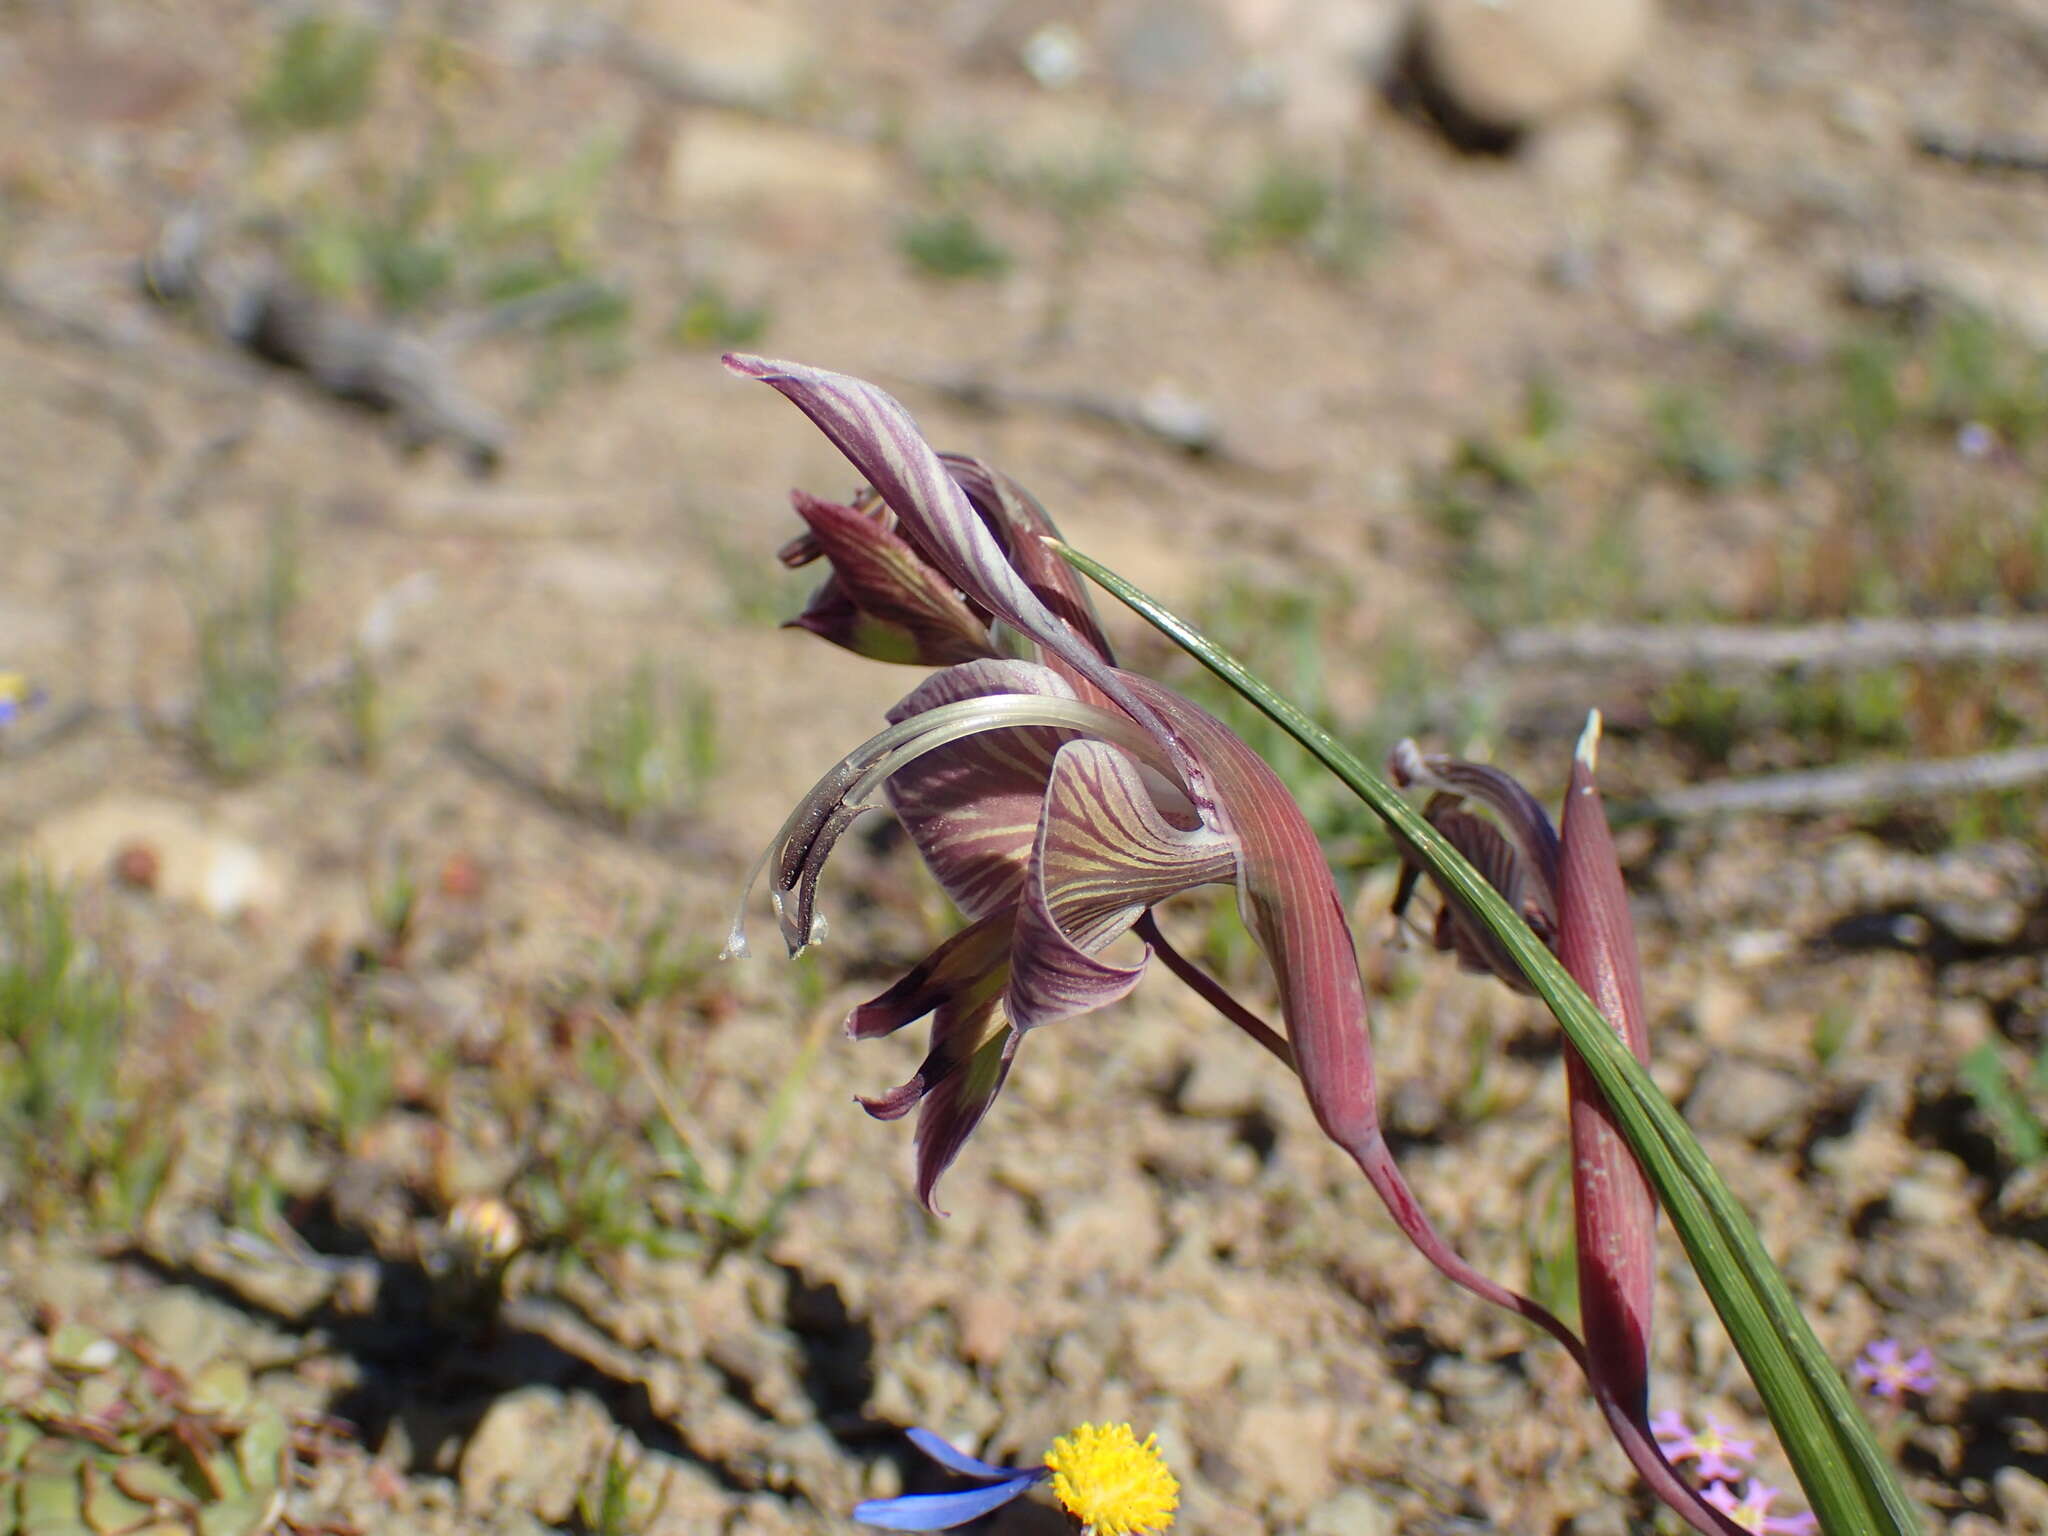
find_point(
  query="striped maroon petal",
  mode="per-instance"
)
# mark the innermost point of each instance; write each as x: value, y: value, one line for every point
x: 1520, y: 815
x: 881, y: 440
x: 969, y: 1059
x: 1517, y: 853
x: 1021, y: 525
x: 1615, y: 1209
x: 882, y: 599
x: 1289, y: 902
x: 972, y: 806
x: 953, y: 1109
x: 1104, y: 853
x: 1477, y: 947
x: 967, y: 970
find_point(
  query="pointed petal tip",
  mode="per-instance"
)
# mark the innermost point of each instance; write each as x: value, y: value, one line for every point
x: 1588, y: 751
x: 1404, y: 763
x: 897, y: 1102
x: 954, y: 1459
x: 748, y: 366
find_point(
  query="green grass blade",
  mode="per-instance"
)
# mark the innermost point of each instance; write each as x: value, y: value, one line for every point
x: 1846, y: 1477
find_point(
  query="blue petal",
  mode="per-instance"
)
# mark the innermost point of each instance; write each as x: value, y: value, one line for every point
x: 940, y: 1511
x: 954, y: 1460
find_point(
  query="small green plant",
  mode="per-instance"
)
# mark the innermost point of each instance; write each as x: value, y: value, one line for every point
x: 65, y: 1123
x: 589, y: 1201
x: 1826, y: 713
x: 2015, y: 1106
x: 356, y: 1058
x: 367, y: 710
x: 655, y: 964
x: 237, y: 721
x: 1985, y: 374
x: 1077, y: 189
x: 648, y: 746
x: 606, y: 1505
x: 1859, y: 710
x: 608, y: 1176
x: 1334, y: 222
x: 1693, y: 444
x: 1284, y: 206
x: 746, y: 1208
x: 590, y: 330
x: 1871, y: 409
x: 711, y: 317
x: 466, y: 228
x: 322, y: 75
x: 1831, y: 1032
x: 951, y: 245
x: 394, y: 905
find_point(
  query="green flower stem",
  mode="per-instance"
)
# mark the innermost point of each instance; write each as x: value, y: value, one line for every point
x: 1847, y: 1478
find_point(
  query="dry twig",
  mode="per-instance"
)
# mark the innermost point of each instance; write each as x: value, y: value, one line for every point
x: 1847, y: 788
x: 253, y: 303
x: 1859, y: 643
x: 1983, y: 152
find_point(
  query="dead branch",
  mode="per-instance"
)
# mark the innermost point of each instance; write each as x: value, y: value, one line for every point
x: 1847, y: 788
x: 41, y: 320
x: 1983, y: 152
x: 249, y: 300
x: 1859, y: 643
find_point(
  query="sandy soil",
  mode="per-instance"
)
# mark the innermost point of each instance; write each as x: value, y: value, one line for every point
x: 1149, y: 1227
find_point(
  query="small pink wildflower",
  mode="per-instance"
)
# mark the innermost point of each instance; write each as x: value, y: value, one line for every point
x: 1718, y: 1453
x: 1880, y: 1369
x: 1753, y: 1510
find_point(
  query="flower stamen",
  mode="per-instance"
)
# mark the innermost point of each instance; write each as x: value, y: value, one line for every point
x: 854, y: 785
x: 1113, y: 1483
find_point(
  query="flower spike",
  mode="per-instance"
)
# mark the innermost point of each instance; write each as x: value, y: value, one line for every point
x: 1057, y: 802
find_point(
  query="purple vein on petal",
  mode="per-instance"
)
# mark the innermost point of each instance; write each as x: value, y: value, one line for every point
x: 882, y: 600
x: 972, y: 806
x: 1103, y: 854
x: 955, y: 1104
x: 966, y: 966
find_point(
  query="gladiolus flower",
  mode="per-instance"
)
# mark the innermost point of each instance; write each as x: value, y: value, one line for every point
x: 1058, y: 799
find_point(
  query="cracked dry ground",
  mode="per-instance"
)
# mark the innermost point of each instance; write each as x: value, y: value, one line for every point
x: 360, y: 992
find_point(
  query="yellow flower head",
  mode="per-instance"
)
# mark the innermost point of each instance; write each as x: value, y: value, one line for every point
x: 1111, y: 1483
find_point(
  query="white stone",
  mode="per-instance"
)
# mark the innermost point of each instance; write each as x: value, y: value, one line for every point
x: 1353, y: 1512
x: 196, y: 862
x: 732, y: 158
x: 1512, y: 63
